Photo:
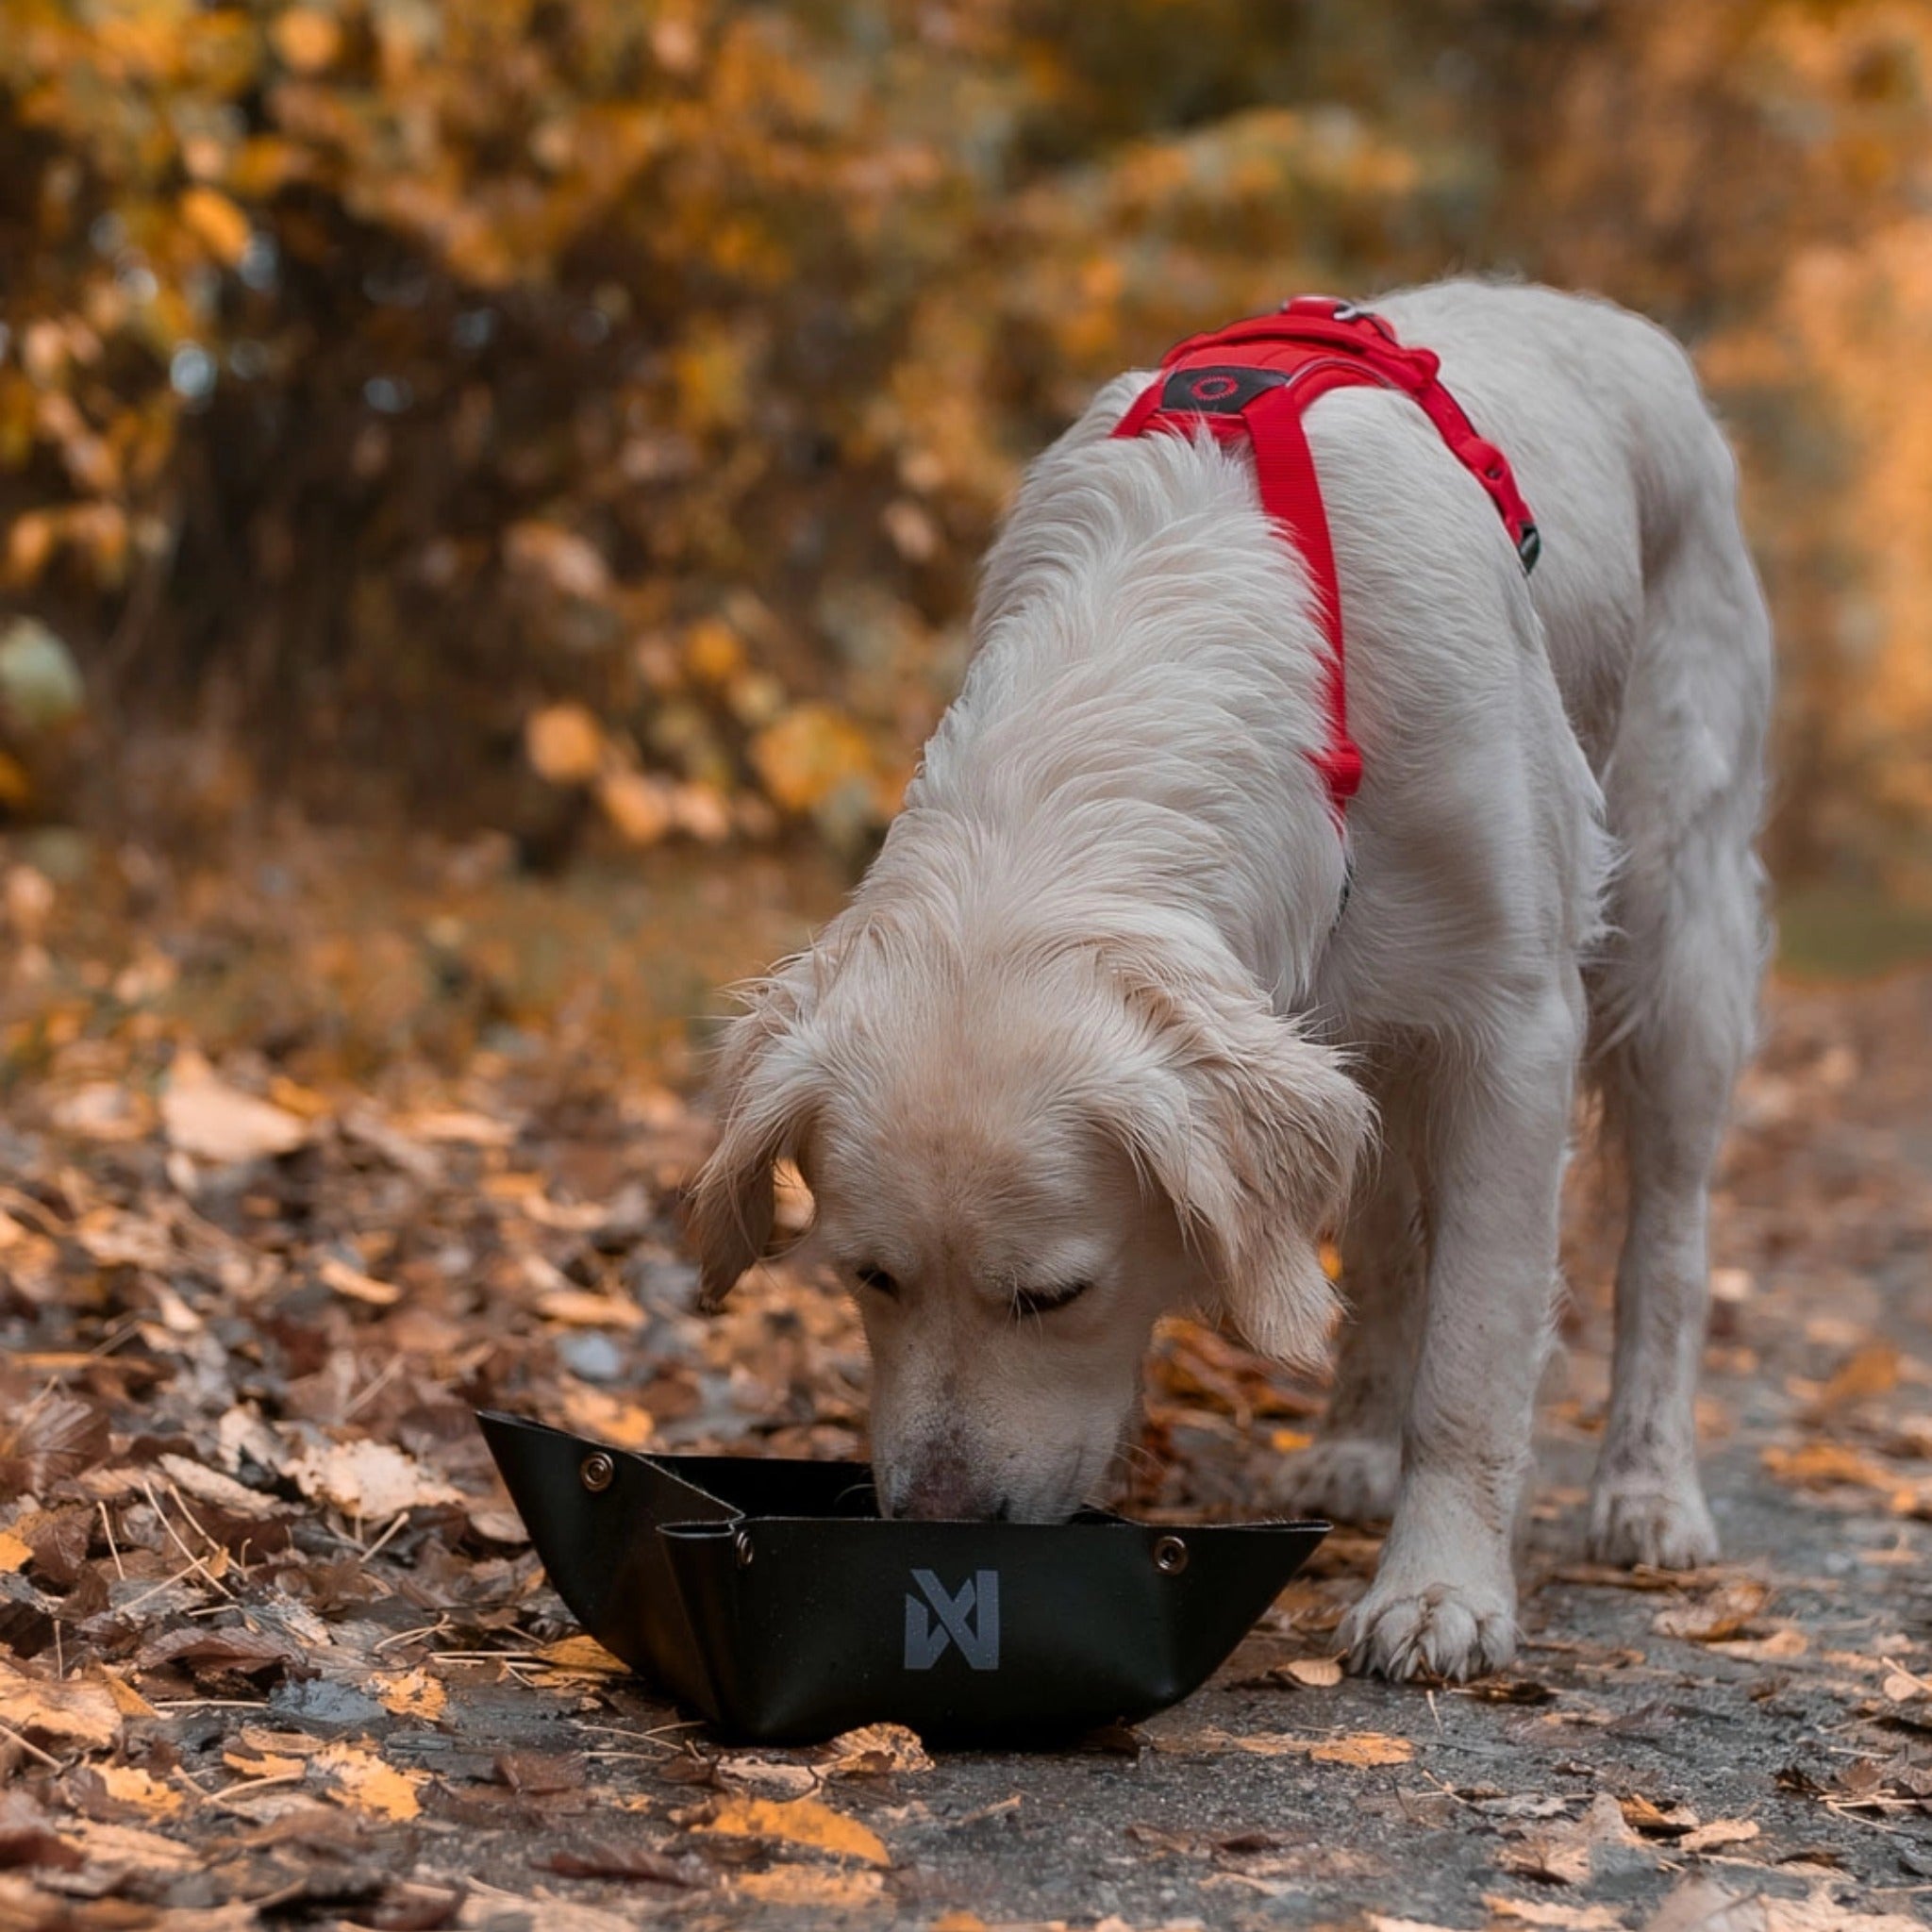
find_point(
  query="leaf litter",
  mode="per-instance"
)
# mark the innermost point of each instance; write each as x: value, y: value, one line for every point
x: 268, y: 1628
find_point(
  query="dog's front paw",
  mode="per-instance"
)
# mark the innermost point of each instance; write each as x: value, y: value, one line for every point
x: 1351, y: 1479
x: 1434, y: 1630
x: 1660, y: 1524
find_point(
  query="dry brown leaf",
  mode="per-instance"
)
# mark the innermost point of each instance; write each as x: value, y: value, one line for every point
x: 1561, y: 1855
x: 1717, y: 1834
x: 1779, y: 1647
x: 580, y: 1308
x: 497, y: 1525
x: 1827, y: 1465
x: 607, y: 1418
x: 570, y: 565
x: 49, y: 1711
x: 1364, y: 1749
x: 581, y: 1653
x: 127, y: 1847
x: 356, y: 1286
x: 1314, y: 1673
x: 811, y: 1887
x: 1901, y: 1686
x: 212, y: 1486
x: 368, y: 1478
x: 1639, y: 1814
x: 806, y: 1822
x: 410, y: 1694
x: 127, y: 1784
x: 1726, y: 1612
x: 460, y: 1126
x: 57, y: 1436
x: 876, y: 1751
x: 203, y: 1116
x: 485, y: 1908
x: 367, y: 1783
x: 1872, y: 1370
x: 1552, y: 1913
x: 638, y: 805
x: 780, y: 1777
x: 14, y: 1554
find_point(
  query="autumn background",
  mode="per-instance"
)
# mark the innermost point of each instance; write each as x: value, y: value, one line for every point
x: 578, y: 422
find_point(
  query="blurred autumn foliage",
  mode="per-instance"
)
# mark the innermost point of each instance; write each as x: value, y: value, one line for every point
x: 551, y: 414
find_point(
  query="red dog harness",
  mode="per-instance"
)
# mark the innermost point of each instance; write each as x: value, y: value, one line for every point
x: 1257, y: 380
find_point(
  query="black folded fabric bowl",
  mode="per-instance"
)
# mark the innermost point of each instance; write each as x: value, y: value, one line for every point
x: 771, y: 1597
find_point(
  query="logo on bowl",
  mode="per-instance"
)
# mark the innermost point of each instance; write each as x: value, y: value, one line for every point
x: 970, y: 1620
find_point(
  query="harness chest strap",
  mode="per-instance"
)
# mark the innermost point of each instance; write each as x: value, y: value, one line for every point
x: 1255, y: 379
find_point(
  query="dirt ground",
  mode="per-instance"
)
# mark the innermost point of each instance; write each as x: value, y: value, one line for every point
x: 289, y: 1187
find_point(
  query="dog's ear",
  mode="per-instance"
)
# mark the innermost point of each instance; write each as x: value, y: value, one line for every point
x: 765, y: 1088
x: 1252, y: 1130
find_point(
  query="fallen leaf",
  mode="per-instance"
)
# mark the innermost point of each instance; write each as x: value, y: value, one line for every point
x: 1717, y: 1834
x: 581, y: 1653
x: 1872, y: 1370
x: 601, y: 1859
x: 212, y: 1486
x: 876, y: 1751
x: 367, y: 1783
x: 1726, y: 1612
x: 1552, y: 1913
x: 486, y: 1910
x: 14, y: 1554
x: 353, y: 1283
x: 129, y: 1848
x: 1827, y: 1465
x: 203, y: 1116
x: 29, y: 1836
x: 410, y: 1694
x: 368, y: 1478
x: 49, y: 1711
x: 57, y: 1436
x: 1314, y: 1673
x: 234, y: 1647
x: 1779, y: 1647
x: 1639, y: 1814
x: 799, y: 1822
x: 783, y: 1777
x: 803, y: 1886
x: 127, y: 1784
x: 1562, y: 1855
x: 1364, y: 1749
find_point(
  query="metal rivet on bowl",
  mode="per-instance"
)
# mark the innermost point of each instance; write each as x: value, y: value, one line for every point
x: 597, y: 1472
x: 1170, y: 1556
x: 741, y: 1543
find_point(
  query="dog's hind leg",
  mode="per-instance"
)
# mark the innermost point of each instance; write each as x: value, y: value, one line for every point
x: 1675, y: 1013
x: 1353, y: 1472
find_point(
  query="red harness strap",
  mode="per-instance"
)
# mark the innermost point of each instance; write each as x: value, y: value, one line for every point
x: 1257, y: 380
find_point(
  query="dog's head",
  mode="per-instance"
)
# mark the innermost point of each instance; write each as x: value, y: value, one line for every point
x: 1019, y: 1162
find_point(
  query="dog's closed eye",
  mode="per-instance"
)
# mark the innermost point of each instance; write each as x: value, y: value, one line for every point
x: 1043, y: 1301
x: 878, y: 1280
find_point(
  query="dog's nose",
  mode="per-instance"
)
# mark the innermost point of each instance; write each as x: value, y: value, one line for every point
x: 945, y: 1491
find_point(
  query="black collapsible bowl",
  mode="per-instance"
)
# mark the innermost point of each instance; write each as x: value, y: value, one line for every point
x: 770, y: 1595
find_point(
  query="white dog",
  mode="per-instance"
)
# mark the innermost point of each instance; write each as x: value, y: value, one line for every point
x: 1098, y: 1036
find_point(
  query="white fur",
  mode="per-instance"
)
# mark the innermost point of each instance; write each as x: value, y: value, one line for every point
x: 1092, y: 1016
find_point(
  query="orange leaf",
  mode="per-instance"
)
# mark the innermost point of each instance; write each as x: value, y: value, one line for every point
x: 308, y: 40
x: 799, y: 1822
x: 564, y: 745
x: 808, y: 755
x: 220, y: 227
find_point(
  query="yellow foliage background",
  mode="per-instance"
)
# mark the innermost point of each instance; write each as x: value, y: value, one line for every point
x: 583, y: 419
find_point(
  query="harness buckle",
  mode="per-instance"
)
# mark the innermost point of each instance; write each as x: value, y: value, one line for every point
x: 1529, y: 546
